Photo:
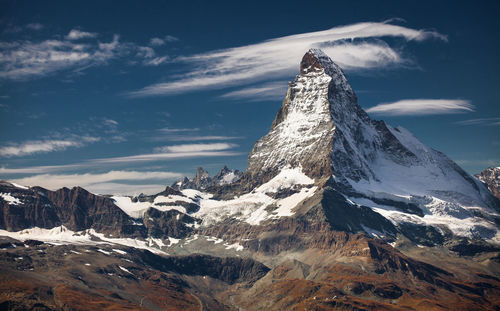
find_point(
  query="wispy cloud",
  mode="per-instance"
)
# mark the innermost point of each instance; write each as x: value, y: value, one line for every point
x: 156, y: 61
x: 197, y: 138
x: 125, y: 189
x: 415, y: 107
x: 184, y: 151
x: 149, y: 56
x: 354, y: 46
x: 35, y: 26
x: 186, y: 135
x: 94, y: 181
x: 176, y: 130
x: 267, y: 91
x: 161, y: 41
x: 76, y: 34
x: 481, y: 121
x: 196, y: 147
x: 44, y: 146
x: 26, y: 59
x: 162, y: 156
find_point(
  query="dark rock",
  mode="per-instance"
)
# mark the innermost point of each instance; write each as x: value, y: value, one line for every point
x: 171, y: 223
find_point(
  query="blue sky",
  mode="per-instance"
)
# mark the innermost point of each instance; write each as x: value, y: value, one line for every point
x: 129, y: 96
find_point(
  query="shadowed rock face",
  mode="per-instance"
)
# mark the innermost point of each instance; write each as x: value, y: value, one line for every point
x: 76, y: 208
x: 167, y: 224
x: 33, y: 209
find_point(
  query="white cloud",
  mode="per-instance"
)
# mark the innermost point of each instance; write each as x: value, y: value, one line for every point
x: 145, y: 51
x: 170, y: 38
x: 186, y: 134
x: 197, y: 147
x: 163, y: 156
x: 35, y: 26
x: 422, y: 107
x: 481, y: 121
x: 161, y: 41
x: 165, y: 153
x: 44, y: 146
x: 353, y: 46
x: 156, y: 42
x: 125, y: 189
x: 156, y: 61
x: 27, y: 59
x: 110, y: 122
x: 76, y: 34
x: 266, y: 91
x: 196, y: 138
x: 93, y: 181
x: 175, y: 130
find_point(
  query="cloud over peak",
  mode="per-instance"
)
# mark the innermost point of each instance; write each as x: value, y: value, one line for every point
x: 357, y: 46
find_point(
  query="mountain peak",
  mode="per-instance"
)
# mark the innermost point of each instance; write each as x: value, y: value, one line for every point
x: 317, y: 60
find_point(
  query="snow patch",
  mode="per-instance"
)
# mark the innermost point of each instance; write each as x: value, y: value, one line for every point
x: 63, y: 236
x: 12, y: 200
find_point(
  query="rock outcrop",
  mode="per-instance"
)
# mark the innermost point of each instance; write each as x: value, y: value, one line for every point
x: 491, y: 178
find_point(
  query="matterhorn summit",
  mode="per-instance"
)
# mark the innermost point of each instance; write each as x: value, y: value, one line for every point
x: 322, y: 130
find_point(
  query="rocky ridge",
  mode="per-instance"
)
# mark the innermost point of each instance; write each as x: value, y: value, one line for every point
x: 491, y: 178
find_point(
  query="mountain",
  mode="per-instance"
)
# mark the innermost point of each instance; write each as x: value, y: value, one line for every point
x: 335, y: 211
x: 202, y: 179
x: 491, y: 178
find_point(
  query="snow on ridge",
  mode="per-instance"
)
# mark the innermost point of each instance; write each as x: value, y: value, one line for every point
x: 461, y: 221
x: 19, y: 186
x: 133, y: 209
x: 137, y: 209
x: 62, y: 236
x: 431, y: 174
x: 251, y: 207
x: 9, y: 198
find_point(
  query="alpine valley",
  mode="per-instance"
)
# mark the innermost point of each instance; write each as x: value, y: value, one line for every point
x: 335, y: 211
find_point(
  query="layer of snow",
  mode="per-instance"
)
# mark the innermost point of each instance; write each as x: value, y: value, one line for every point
x: 133, y: 209
x: 251, y: 207
x: 119, y: 251
x: 104, y: 252
x: 235, y: 246
x: 215, y: 240
x: 229, y: 178
x: 286, y: 205
x: 460, y: 221
x: 306, y: 124
x: 125, y: 269
x: 137, y: 209
x: 173, y: 241
x: 19, y: 186
x: 171, y: 199
x: 12, y: 200
x: 62, y: 235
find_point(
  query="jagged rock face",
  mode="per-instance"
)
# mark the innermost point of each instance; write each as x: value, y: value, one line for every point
x: 302, y: 133
x: 202, y: 179
x: 22, y: 208
x: 167, y: 224
x: 75, y: 208
x: 491, y: 177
